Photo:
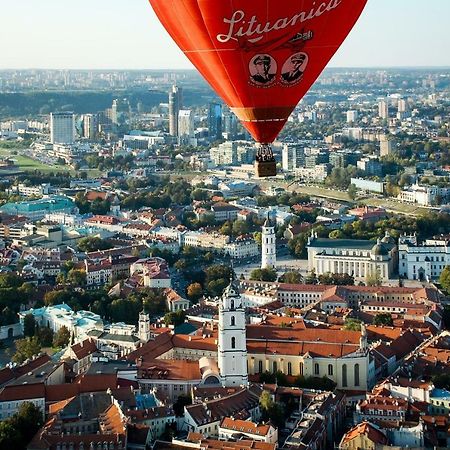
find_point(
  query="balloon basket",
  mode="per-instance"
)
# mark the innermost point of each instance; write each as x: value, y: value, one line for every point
x: 265, y: 169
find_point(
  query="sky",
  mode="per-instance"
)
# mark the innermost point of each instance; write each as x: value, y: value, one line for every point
x: 125, y: 34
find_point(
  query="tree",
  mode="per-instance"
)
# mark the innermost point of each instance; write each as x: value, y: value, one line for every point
x: 7, y: 316
x: 76, y: 277
x: 373, y: 279
x: 26, y: 348
x: 444, y: 279
x: 383, y: 319
x: 352, y: 191
x: 45, y: 336
x: 17, y: 431
x: 271, y: 410
x: 182, y: 401
x: 29, y: 325
x: 321, y: 384
x: 93, y: 243
x: 62, y: 337
x: 240, y: 227
x: 311, y: 277
x: 175, y: 318
x: 266, y: 274
x: 291, y: 278
x: 194, y: 291
x: 352, y: 324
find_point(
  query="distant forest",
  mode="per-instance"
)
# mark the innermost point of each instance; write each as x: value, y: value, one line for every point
x: 31, y: 104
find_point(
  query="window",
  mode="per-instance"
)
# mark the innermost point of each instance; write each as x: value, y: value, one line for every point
x: 330, y: 369
x: 233, y: 321
x: 232, y: 304
x: 275, y: 367
x: 344, y: 375
x: 233, y: 342
x: 260, y: 367
x: 316, y: 369
x: 289, y: 368
x: 356, y: 374
x: 301, y: 368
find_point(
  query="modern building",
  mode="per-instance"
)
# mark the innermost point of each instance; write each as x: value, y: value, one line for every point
x: 352, y: 116
x: 359, y: 258
x: 423, y: 261
x: 387, y: 145
x: 215, y: 121
x: 185, y: 126
x: 293, y: 157
x: 62, y: 128
x: 90, y: 126
x: 368, y: 185
x: 175, y: 104
x: 232, y: 344
x: 224, y: 154
x: 37, y: 209
x: 269, y: 245
x: 383, y: 109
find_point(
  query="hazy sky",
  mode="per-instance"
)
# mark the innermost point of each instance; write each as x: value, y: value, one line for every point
x: 125, y: 34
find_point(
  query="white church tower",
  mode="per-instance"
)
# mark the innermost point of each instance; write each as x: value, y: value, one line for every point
x: 232, y: 348
x: 269, y: 245
x: 144, y: 332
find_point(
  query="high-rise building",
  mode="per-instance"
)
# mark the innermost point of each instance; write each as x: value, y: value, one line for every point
x: 175, y: 104
x: 352, y: 116
x: 215, y: 120
x: 120, y: 111
x: 224, y: 154
x: 62, y: 128
x: 90, y: 126
x: 383, y: 109
x: 293, y: 157
x: 229, y: 124
x: 387, y: 145
x: 269, y: 245
x: 232, y: 342
x: 185, y: 126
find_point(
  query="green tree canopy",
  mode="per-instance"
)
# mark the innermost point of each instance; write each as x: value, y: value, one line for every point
x: 26, y: 348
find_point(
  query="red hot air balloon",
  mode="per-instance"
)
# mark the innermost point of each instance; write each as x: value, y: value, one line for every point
x: 260, y: 56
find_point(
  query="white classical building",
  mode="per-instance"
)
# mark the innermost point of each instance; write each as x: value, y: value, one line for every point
x: 423, y: 261
x: 269, y: 245
x: 232, y: 345
x: 359, y: 258
x: 424, y: 195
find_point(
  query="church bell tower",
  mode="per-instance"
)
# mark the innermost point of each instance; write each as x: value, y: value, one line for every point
x: 232, y: 348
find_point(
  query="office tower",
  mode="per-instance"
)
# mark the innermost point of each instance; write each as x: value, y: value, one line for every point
x: 229, y: 123
x: 185, y: 125
x: 293, y: 157
x: 383, y: 109
x: 175, y: 104
x: 387, y: 145
x: 120, y: 111
x: 215, y: 121
x: 402, y: 106
x: 89, y: 126
x: 352, y: 116
x: 62, y: 128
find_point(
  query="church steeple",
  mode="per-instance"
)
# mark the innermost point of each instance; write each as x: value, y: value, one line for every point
x: 269, y: 245
x: 232, y: 348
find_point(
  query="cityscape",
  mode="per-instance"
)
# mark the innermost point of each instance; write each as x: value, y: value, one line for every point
x: 155, y: 293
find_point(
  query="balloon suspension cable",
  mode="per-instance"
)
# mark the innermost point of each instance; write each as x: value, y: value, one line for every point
x: 264, y: 153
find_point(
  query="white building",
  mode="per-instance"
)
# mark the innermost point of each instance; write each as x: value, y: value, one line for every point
x: 352, y: 116
x: 425, y: 261
x: 269, y: 245
x: 383, y: 109
x: 292, y: 157
x: 358, y: 258
x: 224, y: 154
x: 185, y: 126
x: 89, y: 126
x: 232, y: 429
x: 242, y: 248
x: 312, y: 174
x: 62, y: 128
x: 232, y: 345
x: 424, y: 195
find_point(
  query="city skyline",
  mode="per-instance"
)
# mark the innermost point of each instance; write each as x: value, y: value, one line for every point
x: 65, y: 37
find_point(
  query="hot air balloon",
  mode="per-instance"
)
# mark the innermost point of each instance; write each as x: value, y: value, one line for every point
x: 260, y: 56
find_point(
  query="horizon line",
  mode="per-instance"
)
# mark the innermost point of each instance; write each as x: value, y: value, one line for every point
x: 447, y: 67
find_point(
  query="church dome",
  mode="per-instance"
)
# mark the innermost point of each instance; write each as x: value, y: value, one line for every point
x: 379, y: 250
x: 388, y: 239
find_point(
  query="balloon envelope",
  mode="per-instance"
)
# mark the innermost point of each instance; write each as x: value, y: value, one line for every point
x: 260, y: 56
